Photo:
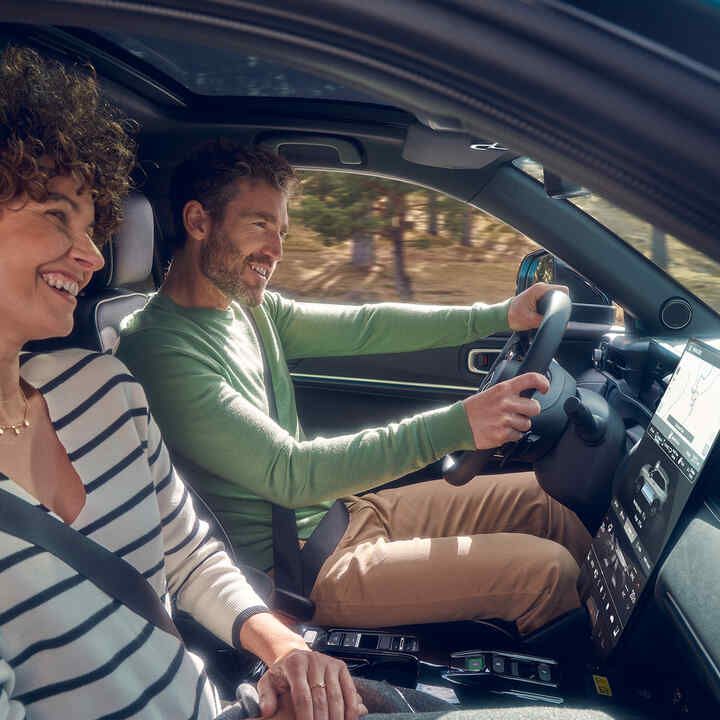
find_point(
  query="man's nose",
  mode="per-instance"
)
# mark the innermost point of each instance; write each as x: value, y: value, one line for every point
x: 275, y: 245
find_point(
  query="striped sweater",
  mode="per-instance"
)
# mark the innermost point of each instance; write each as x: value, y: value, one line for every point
x: 68, y: 650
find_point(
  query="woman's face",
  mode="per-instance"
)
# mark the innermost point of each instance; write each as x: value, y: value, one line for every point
x: 46, y: 257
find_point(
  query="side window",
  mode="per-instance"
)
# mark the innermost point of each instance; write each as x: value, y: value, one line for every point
x: 361, y: 239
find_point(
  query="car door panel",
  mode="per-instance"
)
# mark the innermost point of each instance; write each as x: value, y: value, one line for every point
x: 345, y: 394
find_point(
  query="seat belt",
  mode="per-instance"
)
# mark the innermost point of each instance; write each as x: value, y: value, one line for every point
x: 109, y: 572
x: 287, y: 564
x: 293, y: 569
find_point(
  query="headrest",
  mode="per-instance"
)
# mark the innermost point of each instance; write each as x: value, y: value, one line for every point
x: 129, y: 254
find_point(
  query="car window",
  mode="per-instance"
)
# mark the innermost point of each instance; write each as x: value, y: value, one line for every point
x: 362, y: 239
x: 691, y: 268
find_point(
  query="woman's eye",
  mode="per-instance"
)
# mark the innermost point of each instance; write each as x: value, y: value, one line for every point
x: 59, y: 214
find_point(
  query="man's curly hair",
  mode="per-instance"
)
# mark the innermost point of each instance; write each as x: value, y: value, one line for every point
x: 55, y: 111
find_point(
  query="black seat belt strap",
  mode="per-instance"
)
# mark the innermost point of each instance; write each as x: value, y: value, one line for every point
x: 287, y: 565
x: 103, y: 568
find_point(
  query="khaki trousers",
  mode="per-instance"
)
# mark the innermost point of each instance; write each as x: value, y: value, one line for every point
x: 498, y: 547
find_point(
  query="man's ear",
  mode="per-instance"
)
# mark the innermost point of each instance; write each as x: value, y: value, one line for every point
x: 196, y: 220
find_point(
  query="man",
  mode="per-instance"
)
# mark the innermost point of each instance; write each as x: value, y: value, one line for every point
x: 423, y: 553
x: 79, y: 442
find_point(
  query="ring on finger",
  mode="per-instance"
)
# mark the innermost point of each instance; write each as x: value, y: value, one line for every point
x: 317, y: 685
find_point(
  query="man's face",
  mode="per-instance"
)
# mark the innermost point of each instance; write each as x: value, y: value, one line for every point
x: 244, y: 246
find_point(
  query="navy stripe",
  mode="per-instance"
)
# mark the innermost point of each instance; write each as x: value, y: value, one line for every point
x: 67, y: 637
x: 240, y: 620
x: 115, y: 469
x: 136, y: 499
x: 154, y: 569
x: 24, y: 357
x: 150, y: 692
x: 200, y: 564
x: 105, y: 434
x: 65, y: 420
x: 156, y: 454
x: 142, y: 540
x: 67, y: 374
x: 19, y: 556
x: 188, y: 539
x: 177, y: 510
x: 165, y: 481
x: 198, y: 694
x: 109, y: 667
x: 40, y: 598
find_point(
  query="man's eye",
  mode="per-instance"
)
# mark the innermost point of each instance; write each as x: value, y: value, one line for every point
x: 261, y: 224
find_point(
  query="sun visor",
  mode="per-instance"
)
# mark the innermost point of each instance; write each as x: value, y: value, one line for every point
x: 449, y: 149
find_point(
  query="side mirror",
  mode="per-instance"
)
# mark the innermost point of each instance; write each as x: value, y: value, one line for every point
x: 589, y: 303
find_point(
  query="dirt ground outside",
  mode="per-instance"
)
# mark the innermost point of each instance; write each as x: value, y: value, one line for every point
x: 445, y: 273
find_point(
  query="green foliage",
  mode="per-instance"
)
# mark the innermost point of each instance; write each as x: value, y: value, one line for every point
x: 338, y: 205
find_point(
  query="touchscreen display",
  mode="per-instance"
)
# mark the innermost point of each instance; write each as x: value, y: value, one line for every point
x: 656, y: 484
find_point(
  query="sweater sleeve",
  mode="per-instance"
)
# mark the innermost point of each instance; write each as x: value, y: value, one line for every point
x: 199, y: 572
x: 325, y: 330
x: 207, y: 420
x: 9, y: 709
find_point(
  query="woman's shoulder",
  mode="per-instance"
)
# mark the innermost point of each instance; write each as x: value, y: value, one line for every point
x: 42, y: 369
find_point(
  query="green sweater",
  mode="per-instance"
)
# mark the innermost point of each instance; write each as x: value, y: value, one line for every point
x: 203, y: 372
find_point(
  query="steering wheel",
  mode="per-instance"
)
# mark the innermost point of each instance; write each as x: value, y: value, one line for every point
x: 555, y: 307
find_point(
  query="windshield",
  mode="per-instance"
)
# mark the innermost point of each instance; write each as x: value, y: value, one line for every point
x: 690, y: 267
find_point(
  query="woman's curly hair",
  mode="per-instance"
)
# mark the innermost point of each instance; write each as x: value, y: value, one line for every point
x: 54, y: 111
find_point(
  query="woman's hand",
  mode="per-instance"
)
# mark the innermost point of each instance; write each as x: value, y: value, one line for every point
x: 307, y: 685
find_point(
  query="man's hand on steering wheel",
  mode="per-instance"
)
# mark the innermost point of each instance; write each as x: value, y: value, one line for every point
x: 499, y: 414
x: 522, y: 313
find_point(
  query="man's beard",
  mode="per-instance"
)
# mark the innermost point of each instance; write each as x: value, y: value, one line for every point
x: 222, y: 264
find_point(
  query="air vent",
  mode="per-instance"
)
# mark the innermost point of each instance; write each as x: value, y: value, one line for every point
x: 676, y: 313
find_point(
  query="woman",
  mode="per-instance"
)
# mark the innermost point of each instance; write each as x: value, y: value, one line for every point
x: 77, y: 440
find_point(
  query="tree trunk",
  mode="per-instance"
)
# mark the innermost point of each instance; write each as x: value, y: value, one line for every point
x: 432, y: 214
x: 363, y: 249
x: 466, y: 238
x: 659, y: 248
x: 403, y: 284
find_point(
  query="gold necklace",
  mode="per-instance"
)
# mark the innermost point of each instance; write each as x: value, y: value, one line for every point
x: 18, y: 428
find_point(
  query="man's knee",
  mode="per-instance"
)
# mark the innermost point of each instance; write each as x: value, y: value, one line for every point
x: 557, y: 573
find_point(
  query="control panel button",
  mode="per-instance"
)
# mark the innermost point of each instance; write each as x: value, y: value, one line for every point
x: 384, y: 642
x: 335, y: 638
x: 544, y: 673
x: 351, y: 639
x: 310, y: 636
x: 515, y: 668
x: 475, y: 664
x: 498, y: 664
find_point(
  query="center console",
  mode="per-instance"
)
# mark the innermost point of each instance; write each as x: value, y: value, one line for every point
x: 651, y: 490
